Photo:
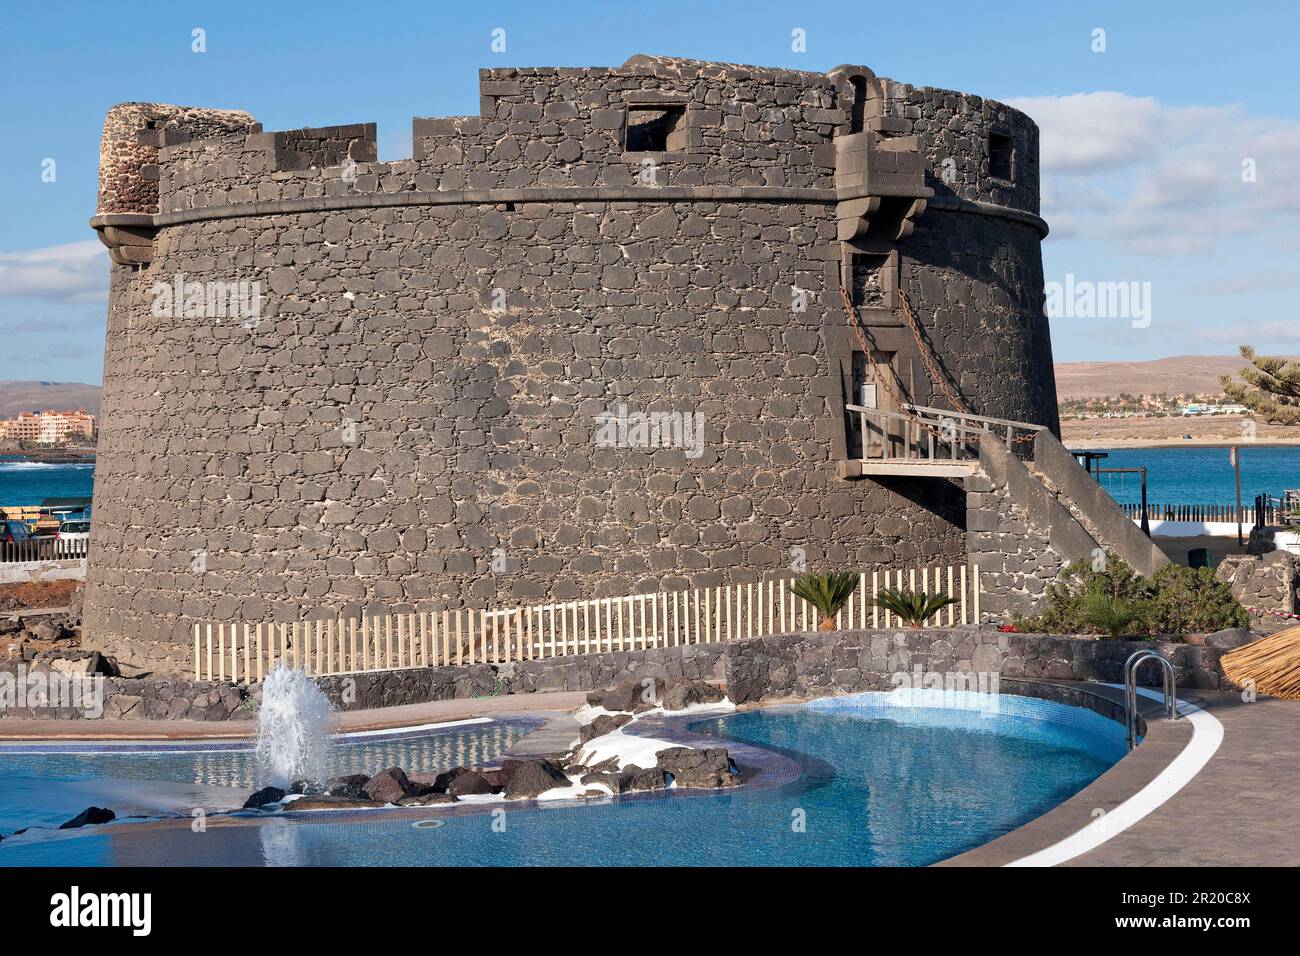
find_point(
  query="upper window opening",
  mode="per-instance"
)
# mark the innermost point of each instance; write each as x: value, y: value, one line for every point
x: 859, y: 84
x: 1001, y: 156
x: 656, y: 129
x: 868, y: 280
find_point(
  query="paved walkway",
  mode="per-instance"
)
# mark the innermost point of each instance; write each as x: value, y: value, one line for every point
x: 1242, y: 809
x: 379, y: 719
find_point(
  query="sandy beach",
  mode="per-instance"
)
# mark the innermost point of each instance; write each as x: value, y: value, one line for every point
x: 1152, y: 432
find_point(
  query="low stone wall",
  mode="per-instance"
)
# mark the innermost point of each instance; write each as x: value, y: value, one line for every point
x: 24, y: 572
x: 1270, y: 582
x: 65, y: 696
x: 573, y: 673
x: 767, y: 668
x: 849, y: 662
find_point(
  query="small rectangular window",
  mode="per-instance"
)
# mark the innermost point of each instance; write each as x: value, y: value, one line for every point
x: 869, y: 280
x: 1001, y: 156
x: 656, y: 129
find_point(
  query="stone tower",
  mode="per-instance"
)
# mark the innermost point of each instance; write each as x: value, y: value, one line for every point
x: 333, y: 383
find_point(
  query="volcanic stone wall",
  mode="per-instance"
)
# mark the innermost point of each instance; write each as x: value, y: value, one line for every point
x: 411, y: 419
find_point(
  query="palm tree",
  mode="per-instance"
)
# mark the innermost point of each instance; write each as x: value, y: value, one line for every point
x: 913, y: 607
x: 826, y: 592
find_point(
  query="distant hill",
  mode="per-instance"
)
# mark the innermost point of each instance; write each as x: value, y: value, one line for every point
x: 1178, y: 375
x: 18, y: 397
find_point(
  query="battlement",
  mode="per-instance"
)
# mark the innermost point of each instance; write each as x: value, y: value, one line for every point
x: 654, y: 121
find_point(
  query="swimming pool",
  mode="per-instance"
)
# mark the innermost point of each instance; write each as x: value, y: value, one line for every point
x: 903, y: 779
x: 44, y: 786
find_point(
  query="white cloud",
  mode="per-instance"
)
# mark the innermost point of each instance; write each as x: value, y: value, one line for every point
x: 1088, y: 132
x: 72, y: 272
x: 1269, y: 338
x: 1163, y: 180
x: 1251, y: 282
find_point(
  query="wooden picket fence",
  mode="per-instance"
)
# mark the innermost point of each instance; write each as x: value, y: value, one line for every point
x: 247, y: 651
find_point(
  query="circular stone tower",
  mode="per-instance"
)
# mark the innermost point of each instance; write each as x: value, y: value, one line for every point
x: 588, y: 342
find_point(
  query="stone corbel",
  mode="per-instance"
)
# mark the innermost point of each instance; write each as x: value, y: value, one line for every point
x: 128, y: 235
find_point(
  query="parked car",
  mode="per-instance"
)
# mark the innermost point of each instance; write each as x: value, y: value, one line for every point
x: 16, y: 531
x: 74, y: 531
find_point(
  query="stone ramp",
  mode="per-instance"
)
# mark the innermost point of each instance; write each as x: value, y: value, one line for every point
x: 1026, y: 521
x: 555, y: 736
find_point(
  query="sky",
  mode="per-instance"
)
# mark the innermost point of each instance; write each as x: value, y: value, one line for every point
x: 1170, y: 140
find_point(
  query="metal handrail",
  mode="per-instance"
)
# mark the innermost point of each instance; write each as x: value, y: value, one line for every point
x: 923, y: 431
x: 949, y: 413
x: 1170, y: 681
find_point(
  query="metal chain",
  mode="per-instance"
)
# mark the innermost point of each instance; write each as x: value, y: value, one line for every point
x: 928, y: 357
x: 868, y: 348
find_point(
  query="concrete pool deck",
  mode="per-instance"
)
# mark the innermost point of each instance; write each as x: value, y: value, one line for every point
x: 1238, y: 810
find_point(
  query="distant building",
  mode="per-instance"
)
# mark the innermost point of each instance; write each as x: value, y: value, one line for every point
x: 1203, y: 408
x: 48, y: 428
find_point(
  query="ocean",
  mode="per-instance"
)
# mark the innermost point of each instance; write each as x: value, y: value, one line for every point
x: 1201, y: 474
x: 24, y: 482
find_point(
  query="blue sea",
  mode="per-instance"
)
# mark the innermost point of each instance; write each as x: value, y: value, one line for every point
x: 24, y: 482
x: 1202, y: 474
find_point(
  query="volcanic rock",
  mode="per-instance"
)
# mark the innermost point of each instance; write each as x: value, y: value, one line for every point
x: 390, y: 786
x: 526, y: 779
x: 683, y: 693
x: 602, y: 725
x: 331, y: 803
x: 352, y: 786
x: 709, y: 768
x: 264, y: 796
x: 89, y: 817
x: 427, y: 799
x: 469, y: 782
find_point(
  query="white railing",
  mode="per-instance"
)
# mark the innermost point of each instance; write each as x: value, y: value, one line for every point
x: 922, y: 433
x: 246, y: 651
x: 43, y: 549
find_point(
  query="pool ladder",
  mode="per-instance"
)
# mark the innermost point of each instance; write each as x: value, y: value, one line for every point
x: 1131, y: 667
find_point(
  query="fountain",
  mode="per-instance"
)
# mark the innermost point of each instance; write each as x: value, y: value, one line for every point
x: 293, y: 726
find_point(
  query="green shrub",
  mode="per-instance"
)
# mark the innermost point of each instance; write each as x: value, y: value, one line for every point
x: 914, y: 607
x: 1191, y: 601
x: 1175, y: 600
x: 1114, y: 616
x: 1066, y: 612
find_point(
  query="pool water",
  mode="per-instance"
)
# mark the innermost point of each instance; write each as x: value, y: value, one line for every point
x: 879, y: 785
x: 43, y: 789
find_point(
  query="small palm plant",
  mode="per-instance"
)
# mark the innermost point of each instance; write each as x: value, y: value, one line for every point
x: 914, y: 608
x: 826, y: 592
x: 1112, y: 615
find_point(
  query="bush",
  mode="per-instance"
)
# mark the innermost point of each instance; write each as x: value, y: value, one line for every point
x: 1191, y: 601
x: 1114, y: 616
x: 1175, y: 600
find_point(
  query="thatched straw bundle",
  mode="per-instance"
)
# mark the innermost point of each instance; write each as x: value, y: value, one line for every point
x: 1273, y: 664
